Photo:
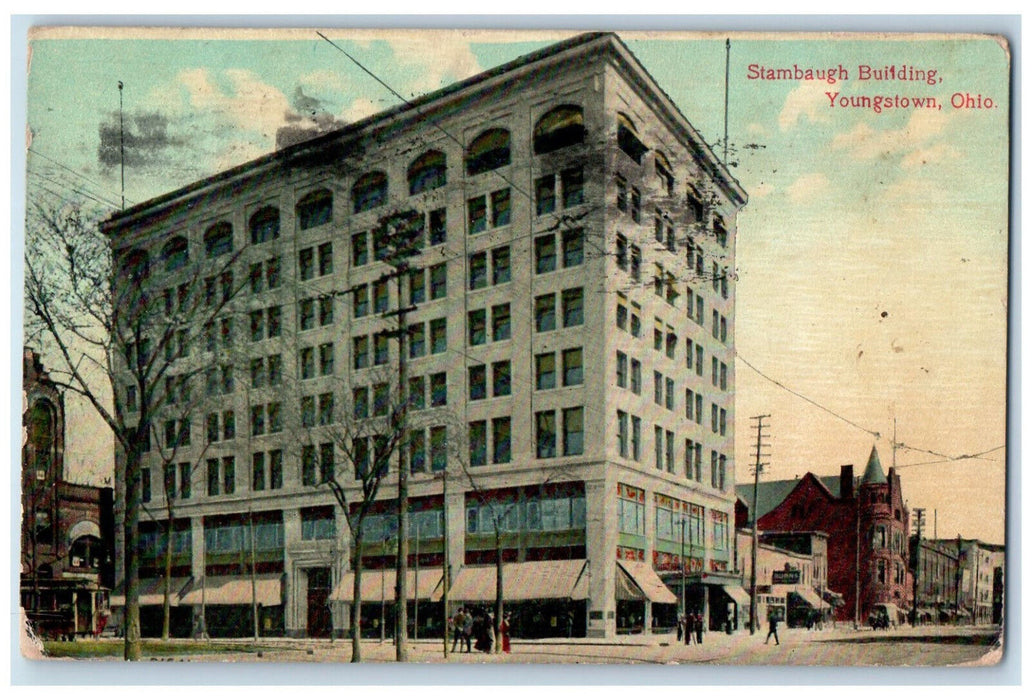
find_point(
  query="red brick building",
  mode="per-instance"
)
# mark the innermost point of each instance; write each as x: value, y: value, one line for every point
x: 866, y: 515
x: 67, y: 529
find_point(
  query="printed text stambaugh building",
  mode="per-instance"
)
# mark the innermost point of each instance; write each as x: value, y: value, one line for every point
x: 570, y: 360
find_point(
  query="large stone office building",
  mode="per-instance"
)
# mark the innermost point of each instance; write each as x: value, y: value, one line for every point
x: 570, y: 353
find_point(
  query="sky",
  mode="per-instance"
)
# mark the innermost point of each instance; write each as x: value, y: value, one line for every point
x: 871, y: 256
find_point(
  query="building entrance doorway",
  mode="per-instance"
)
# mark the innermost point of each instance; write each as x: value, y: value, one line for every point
x: 320, y: 622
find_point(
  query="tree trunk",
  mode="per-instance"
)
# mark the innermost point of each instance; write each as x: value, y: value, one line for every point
x: 356, y: 605
x: 132, y: 650
x: 166, y: 603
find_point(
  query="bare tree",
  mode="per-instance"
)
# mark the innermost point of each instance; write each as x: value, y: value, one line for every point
x: 114, y: 336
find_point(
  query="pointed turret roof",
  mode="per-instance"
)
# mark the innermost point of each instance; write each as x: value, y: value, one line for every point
x: 874, y: 474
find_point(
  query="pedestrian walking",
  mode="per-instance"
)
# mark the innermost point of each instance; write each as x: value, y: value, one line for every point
x: 772, y: 621
x: 455, y: 627
x: 503, y: 630
x: 689, y: 628
x: 467, y: 629
x: 698, y: 628
x: 482, y: 631
x: 680, y: 627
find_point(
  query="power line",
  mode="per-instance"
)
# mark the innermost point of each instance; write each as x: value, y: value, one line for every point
x: 96, y: 198
x: 874, y: 433
x: 75, y: 172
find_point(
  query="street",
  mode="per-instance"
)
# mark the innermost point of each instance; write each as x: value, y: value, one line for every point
x: 904, y: 646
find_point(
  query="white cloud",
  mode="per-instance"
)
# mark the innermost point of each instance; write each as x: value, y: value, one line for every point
x: 246, y: 102
x: 866, y: 143
x: 808, y: 187
x: 809, y: 101
x: 434, y: 62
x: 360, y: 109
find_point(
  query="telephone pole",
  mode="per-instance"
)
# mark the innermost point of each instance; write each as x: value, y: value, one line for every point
x: 919, y: 519
x: 755, y: 537
x: 400, y: 232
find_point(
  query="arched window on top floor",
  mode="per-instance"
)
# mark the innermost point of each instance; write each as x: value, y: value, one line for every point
x: 627, y: 138
x: 176, y: 254
x: 427, y: 172
x: 314, y: 209
x: 369, y: 191
x: 265, y: 224
x: 489, y: 151
x: 135, y: 265
x: 218, y: 239
x: 558, y: 128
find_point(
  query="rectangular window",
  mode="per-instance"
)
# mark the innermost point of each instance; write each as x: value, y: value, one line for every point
x: 658, y: 442
x: 544, y: 194
x: 325, y: 409
x: 573, y: 307
x: 723, y: 376
x: 213, y: 477
x: 714, y: 417
x: 689, y: 404
x: 478, y: 271
x: 544, y: 313
x: 636, y: 438
x: 621, y: 369
x: 274, y: 316
x: 621, y: 433
x: 438, y: 335
x: 621, y: 193
x: 501, y: 378
x: 211, y: 427
x: 544, y: 370
x: 573, y: 247
x: 573, y: 367
x: 416, y: 340
x: 381, y: 349
x: 501, y: 439
x: 325, y: 259
x: 500, y: 265
x: 326, y: 359
x: 657, y: 388
x: 669, y: 451
x: 359, y: 249
x: 478, y: 443
x: 307, y: 411
x: 360, y: 402
x: 360, y: 352
x: 636, y: 376
x: 500, y: 207
x: 381, y: 296
x: 228, y: 475
x: 438, y: 226
x: 306, y: 314
x: 257, y: 325
x: 184, y: 479
x: 308, y: 466
x: 669, y: 394
x: 573, y: 431
x: 381, y: 399
x: 716, y: 324
x: 477, y: 327
x: 438, y: 448
x: 326, y: 462
x: 306, y: 360
x: 501, y: 322
x: 698, y: 408
x: 306, y: 264
x: 439, y: 281
x: 417, y: 287
x: 228, y: 425
x: 417, y: 451
x: 635, y: 205
x: 258, y: 471
x: 417, y: 393
x: 360, y: 301
x: 544, y: 422
x: 573, y: 187
x: 671, y: 345
x: 477, y: 382
x: 636, y: 263
x: 439, y: 389
x: 621, y: 316
x: 477, y: 214
x: 544, y: 254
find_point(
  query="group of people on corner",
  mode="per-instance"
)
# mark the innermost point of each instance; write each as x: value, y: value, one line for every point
x: 689, y: 626
x: 467, y: 625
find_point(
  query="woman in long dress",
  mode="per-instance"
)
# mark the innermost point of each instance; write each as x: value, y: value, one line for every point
x: 503, y: 629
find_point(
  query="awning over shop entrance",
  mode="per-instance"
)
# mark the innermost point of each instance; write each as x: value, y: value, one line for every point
x: 529, y: 580
x: 152, y: 592
x: 236, y: 590
x: 644, y: 578
x: 380, y: 583
x: 835, y: 599
x: 738, y: 594
x: 810, y: 597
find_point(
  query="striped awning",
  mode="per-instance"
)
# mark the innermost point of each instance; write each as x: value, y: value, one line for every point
x: 530, y: 580
x: 377, y: 584
x: 646, y: 579
x: 737, y: 594
x: 152, y: 592
x: 267, y: 590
